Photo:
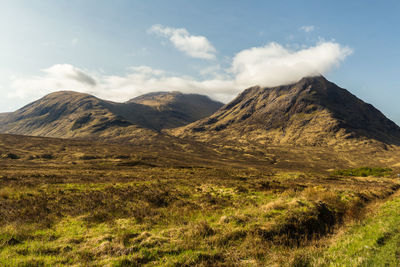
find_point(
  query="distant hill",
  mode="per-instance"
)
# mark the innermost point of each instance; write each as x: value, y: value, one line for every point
x: 70, y: 114
x: 312, y: 111
x: 177, y: 109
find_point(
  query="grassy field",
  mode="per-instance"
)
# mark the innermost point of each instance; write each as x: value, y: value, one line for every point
x: 92, y: 204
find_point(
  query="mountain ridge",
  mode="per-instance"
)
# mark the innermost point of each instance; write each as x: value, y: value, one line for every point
x: 71, y: 114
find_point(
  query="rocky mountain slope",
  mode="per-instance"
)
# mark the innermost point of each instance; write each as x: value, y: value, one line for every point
x: 312, y: 111
x: 2, y: 115
x: 70, y: 114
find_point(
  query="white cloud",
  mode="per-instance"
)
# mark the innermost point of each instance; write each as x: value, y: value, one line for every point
x: 308, y: 28
x: 138, y: 80
x: 56, y: 78
x: 66, y: 71
x: 193, y: 45
x: 274, y: 65
x: 270, y: 65
x: 74, y: 41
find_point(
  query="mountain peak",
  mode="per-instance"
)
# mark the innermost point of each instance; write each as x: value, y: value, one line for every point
x: 316, y: 82
x: 313, y: 79
x: 309, y: 82
x: 66, y: 93
x: 155, y: 95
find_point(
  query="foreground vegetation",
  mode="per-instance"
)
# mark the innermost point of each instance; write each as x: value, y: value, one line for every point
x: 214, y: 216
x: 70, y: 205
x: 373, y: 242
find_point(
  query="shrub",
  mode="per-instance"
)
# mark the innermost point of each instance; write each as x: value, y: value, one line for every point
x: 89, y: 157
x: 10, y: 156
x: 47, y: 156
x: 364, y: 172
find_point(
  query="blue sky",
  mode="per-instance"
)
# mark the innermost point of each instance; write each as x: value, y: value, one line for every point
x: 119, y: 49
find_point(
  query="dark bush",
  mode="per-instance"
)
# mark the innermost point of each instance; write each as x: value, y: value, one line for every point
x: 10, y: 156
x: 364, y: 172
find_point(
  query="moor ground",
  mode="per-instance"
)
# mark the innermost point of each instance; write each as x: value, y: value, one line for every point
x: 182, y: 203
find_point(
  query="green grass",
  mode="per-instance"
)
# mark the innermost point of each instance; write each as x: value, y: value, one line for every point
x: 364, y: 172
x: 373, y: 242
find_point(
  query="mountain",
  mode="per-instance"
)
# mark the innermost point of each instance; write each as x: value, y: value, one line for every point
x: 312, y: 111
x: 178, y: 109
x: 70, y: 114
x: 65, y: 114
